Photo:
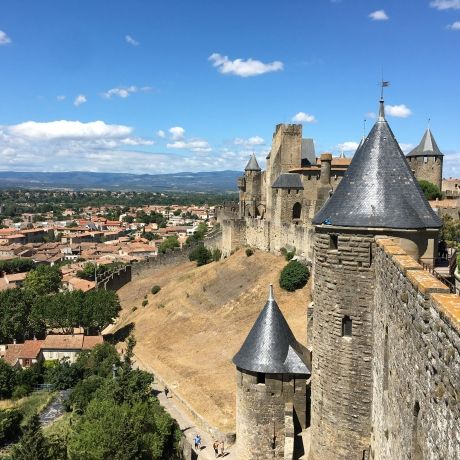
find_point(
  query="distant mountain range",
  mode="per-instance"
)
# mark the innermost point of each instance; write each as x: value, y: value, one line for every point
x: 216, y: 181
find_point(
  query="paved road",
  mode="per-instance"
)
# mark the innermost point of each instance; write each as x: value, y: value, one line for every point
x: 55, y: 409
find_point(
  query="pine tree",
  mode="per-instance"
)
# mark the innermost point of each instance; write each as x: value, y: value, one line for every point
x: 33, y: 445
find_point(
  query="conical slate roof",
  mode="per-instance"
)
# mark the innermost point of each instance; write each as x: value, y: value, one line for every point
x: 270, y: 346
x: 427, y: 146
x: 378, y: 190
x: 252, y: 164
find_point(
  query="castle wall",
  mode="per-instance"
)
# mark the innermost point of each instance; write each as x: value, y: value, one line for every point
x: 341, y: 365
x: 260, y: 418
x: 233, y: 235
x: 416, y: 366
x: 427, y: 168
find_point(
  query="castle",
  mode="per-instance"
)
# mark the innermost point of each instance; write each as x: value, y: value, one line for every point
x: 380, y: 378
x: 276, y: 206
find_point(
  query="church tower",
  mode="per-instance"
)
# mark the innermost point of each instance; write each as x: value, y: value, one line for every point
x: 271, y: 401
x: 426, y: 160
x: 377, y: 196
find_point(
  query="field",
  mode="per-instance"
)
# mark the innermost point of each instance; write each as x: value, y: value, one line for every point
x: 189, y: 331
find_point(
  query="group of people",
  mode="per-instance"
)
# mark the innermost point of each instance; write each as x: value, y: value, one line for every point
x: 218, y: 446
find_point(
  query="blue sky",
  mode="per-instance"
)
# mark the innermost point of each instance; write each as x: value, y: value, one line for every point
x: 166, y: 86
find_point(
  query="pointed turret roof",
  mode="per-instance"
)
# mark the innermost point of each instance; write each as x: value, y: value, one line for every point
x: 427, y: 146
x: 252, y: 164
x: 270, y: 346
x: 378, y: 190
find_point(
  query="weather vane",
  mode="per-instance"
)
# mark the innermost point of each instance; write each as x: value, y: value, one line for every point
x: 383, y: 84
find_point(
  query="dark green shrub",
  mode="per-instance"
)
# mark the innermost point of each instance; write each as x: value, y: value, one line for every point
x: 155, y: 289
x: 294, y: 276
x: 216, y: 255
x: 10, y: 421
x: 20, y: 391
x: 145, y: 302
x: 249, y: 252
x: 201, y: 255
x: 430, y: 190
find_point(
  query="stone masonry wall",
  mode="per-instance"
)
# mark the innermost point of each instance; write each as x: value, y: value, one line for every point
x: 342, y: 367
x: 416, y: 365
x: 430, y: 170
x: 260, y: 418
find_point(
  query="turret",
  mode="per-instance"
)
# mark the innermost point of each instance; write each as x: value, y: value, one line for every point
x: 272, y: 370
x: 426, y: 160
x: 250, y: 186
x: 377, y: 196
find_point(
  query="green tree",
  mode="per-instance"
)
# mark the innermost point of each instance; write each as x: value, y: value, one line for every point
x: 44, y: 279
x: 84, y: 392
x: 15, y: 322
x: 98, y: 361
x: 100, y: 308
x: 451, y: 229
x: 430, y: 190
x: 10, y: 425
x: 17, y: 265
x: 170, y: 242
x: 294, y: 276
x: 62, y: 374
x: 33, y: 445
x: 201, y: 255
x: 7, y: 380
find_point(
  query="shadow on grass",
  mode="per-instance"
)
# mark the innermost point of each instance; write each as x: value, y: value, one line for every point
x: 121, y: 335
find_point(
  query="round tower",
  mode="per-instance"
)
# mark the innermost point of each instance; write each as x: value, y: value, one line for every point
x: 271, y: 400
x: 377, y: 196
x: 426, y: 160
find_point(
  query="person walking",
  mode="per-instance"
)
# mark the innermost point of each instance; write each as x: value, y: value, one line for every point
x: 215, y: 446
x: 222, y: 448
x: 197, y: 441
x: 166, y: 392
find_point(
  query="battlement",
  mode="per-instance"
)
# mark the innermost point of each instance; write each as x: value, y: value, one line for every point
x: 292, y: 129
x: 416, y: 357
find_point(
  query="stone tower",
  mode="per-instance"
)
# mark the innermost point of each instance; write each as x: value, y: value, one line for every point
x: 250, y: 186
x: 377, y: 196
x: 426, y: 160
x: 271, y: 401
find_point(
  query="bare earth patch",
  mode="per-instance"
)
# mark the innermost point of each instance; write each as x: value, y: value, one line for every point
x: 190, y: 331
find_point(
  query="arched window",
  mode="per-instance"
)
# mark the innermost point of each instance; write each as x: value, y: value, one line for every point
x: 296, y: 211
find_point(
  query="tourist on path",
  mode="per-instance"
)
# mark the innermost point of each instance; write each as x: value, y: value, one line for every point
x: 216, y: 448
x: 166, y: 392
x: 222, y: 448
x: 197, y: 441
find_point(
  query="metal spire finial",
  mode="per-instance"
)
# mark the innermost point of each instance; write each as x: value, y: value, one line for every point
x: 271, y: 298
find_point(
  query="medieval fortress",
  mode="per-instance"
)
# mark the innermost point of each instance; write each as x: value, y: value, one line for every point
x: 380, y: 376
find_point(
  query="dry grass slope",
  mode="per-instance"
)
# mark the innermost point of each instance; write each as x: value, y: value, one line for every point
x: 191, y: 329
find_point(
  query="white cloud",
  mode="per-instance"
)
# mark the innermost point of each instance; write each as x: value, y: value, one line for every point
x: 454, y: 26
x: 302, y: 117
x: 255, y: 140
x: 406, y: 148
x: 348, y: 146
x: 4, y: 39
x: 126, y: 91
x: 194, y: 145
x: 131, y: 40
x: 60, y: 98
x: 64, y: 129
x: 136, y: 141
x: 177, y: 133
x: 371, y: 115
x: 379, y: 15
x: 79, y: 100
x: 400, y: 111
x: 161, y: 133
x: 446, y: 4
x: 242, y: 68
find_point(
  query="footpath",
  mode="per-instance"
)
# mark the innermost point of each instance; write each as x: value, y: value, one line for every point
x: 188, y: 427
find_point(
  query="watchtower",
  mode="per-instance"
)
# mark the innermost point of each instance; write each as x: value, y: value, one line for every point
x: 377, y: 196
x: 426, y: 160
x: 250, y: 186
x: 271, y: 401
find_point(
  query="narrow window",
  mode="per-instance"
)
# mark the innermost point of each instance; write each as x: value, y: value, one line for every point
x: 333, y: 241
x: 261, y: 378
x: 416, y: 448
x: 425, y: 159
x: 296, y: 211
x: 347, y: 326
